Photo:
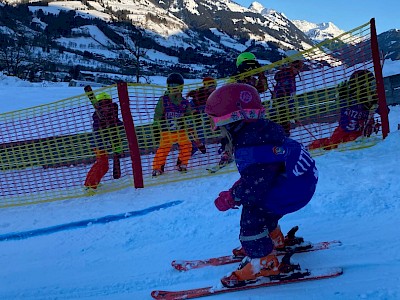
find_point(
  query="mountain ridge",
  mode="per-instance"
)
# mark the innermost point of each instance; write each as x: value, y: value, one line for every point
x: 184, y: 35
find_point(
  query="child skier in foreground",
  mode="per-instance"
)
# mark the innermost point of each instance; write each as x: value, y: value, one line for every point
x: 277, y: 177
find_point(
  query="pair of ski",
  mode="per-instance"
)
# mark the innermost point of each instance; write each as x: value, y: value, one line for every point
x: 296, y: 276
x: 116, y: 157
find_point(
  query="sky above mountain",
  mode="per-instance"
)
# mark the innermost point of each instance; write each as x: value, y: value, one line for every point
x: 343, y: 13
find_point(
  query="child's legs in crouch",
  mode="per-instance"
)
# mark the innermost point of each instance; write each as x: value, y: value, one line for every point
x: 341, y: 136
x: 320, y: 143
x: 255, y: 225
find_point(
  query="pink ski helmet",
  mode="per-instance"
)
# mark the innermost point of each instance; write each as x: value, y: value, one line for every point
x: 234, y: 102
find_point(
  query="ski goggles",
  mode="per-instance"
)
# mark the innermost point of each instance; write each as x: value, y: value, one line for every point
x: 174, y: 84
x: 174, y: 88
x: 210, y: 85
x: 248, y: 65
x: 243, y: 114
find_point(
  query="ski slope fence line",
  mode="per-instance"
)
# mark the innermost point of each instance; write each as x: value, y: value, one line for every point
x: 46, y: 151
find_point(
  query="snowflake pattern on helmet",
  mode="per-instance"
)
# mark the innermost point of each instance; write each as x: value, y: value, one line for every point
x: 245, y: 96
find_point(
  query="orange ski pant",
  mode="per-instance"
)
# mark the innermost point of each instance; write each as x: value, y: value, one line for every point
x: 338, y: 136
x: 168, y: 138
x: 98, y: 170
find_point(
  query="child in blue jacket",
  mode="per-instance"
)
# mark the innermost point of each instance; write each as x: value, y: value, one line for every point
x: 358, y: 101
x: 277, y: 177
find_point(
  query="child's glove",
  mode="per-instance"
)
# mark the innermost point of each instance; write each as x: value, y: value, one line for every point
x: 226, y: 201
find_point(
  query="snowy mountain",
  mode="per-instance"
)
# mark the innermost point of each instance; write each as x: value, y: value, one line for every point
x: 389, y: 43
x: 204, y: 35
x: 318, y: 32
x: 118, y: 38
x: 167, y: 18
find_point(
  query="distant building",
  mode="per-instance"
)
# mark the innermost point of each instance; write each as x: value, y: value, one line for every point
x: 392, y: 89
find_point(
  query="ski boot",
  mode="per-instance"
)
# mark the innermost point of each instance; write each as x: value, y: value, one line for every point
x: 158, y: 172
x: 89, y: 191
x: 293, y: 242
x: 290, y: 242
x: 180, y: 167
x: 92, y: 190
x: 251, y: 270
x: 281, y: 243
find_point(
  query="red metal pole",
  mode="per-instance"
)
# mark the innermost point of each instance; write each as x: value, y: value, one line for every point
x: 383, y: 110
x: 130, y: 135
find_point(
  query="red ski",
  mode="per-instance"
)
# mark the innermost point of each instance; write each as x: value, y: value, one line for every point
x: 186, y: 265
x: 303, y: 275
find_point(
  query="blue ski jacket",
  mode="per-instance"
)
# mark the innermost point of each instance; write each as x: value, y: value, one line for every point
x: 276, y: 173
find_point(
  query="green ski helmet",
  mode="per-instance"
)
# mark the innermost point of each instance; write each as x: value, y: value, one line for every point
x: 243, y: 57
x: 102, y: 97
